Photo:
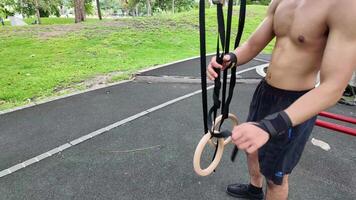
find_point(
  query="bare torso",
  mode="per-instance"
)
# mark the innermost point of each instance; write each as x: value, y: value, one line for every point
x: 301, y: 31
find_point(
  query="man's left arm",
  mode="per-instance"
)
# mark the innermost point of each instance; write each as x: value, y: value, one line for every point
x: 338, y: 64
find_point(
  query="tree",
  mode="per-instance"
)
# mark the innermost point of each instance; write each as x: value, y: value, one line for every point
x: 130, y: 7
x: 79, y: 10
x: 182, y: 5
x: 2, y: 14
x: 7, y: 7
x: 110, y: 4
x: 98, y: 8
x: 37, y: 8
x: 149, y: 8
x: 88, y: 6
x: 40, y: 8
x: 173, y: 5
x: 133, y: 7
x: 2, y: 11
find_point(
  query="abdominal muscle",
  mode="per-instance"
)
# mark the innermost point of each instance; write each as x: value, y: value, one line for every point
x: 294, y: 66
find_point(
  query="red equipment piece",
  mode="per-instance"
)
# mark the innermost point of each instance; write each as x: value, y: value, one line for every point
x: 338, y: 117
x: 337, y: 127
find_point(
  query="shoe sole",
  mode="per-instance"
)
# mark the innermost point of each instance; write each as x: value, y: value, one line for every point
x: 242, y: 196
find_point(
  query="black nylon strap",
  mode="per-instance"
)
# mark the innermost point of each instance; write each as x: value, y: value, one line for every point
x: 203, y: 63
x: 219, y: 58
x: 221, y: 24
x: 227, y: 47
x: 223, y: 39
x: 240, y: 29
x: 222, y: 134
x: 242, y: 16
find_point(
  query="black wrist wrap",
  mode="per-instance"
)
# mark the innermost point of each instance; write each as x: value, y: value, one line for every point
x: 233, y: 59
x: 275, y: 124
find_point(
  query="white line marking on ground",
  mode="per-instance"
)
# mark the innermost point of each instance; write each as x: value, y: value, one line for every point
x: 91, y: 135
x: 261, y: 60
x: 102, y: 130
x: 50, y: 99
x: 91, y: 89
x: 319, y: 143
x: 260, y: 69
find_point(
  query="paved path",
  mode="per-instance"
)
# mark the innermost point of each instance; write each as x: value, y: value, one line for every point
x: 145, y: 132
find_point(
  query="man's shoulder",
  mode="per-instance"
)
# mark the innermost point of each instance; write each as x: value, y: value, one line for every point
x: 342, y: 15
x: 344, y: 10
x: 273, y: 6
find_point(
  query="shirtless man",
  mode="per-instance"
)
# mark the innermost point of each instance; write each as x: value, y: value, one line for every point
x: 310, y: 36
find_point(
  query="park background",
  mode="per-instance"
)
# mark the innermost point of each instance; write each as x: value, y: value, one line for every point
x: 66, y: 47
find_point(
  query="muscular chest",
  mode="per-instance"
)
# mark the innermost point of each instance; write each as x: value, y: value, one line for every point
x: 304, y: 21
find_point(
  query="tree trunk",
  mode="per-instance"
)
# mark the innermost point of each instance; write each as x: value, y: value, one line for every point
x: 137, y: 11
x: 37, y: 12
x: 173, y: 6
x: 149, y: 9
x: 21, y: 8
x: 79, y: 11
x: 98, y: 7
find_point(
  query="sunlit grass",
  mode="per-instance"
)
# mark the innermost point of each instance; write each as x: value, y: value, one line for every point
x: 36, y: 60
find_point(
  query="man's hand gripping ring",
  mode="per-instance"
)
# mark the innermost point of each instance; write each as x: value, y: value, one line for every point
x: 207, y: 138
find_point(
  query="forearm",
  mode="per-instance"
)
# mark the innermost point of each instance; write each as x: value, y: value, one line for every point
x: 246, y: 52
x: 313, y: 102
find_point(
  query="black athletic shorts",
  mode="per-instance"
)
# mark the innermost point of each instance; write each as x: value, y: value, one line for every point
x: 281, y: 154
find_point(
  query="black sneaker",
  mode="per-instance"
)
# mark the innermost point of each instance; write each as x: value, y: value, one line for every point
x: 242, y: 191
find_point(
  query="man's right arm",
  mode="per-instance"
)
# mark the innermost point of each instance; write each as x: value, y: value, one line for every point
x: 253, y: 46
x: 259, y: 39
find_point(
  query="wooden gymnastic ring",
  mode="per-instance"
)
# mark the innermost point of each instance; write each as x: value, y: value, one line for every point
x: 198, y: 152
x: 235, y: 122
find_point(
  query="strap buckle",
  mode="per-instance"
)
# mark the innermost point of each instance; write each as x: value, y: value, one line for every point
x: 218, y: 2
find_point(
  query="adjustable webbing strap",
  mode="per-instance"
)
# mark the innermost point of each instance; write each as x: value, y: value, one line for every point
x: 225, y: 43
x: 223, y: 39
x: 242, y: 15
x: 237, y: 43
x: 219, y: 58
x: 203, y: 63
x: 227, y: 47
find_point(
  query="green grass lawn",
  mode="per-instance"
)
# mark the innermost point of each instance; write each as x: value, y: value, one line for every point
x: 38, y: 61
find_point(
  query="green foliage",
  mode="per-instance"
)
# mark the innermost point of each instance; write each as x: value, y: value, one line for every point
x: 265, y: 2
x: 27, y: 7
x: 184, y: 5
x: 50, y: 7
x: 259, y: 2
x: 110, y: 5
x: 179, y: 5
x: 162, y: 5
x: 130, y: 6
x: 132, y: 3
x: 88, y: 4
x: 4, y: 7
x: 89, y: 9
x: 2, y: 12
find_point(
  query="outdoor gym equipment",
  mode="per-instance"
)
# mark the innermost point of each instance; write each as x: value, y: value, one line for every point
x: 212, y: 123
